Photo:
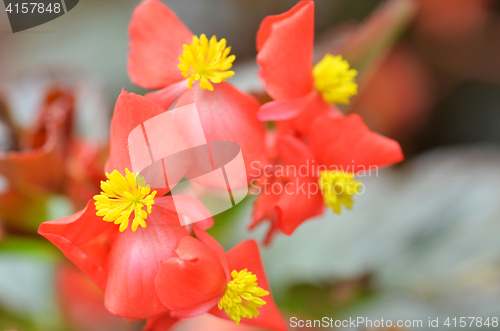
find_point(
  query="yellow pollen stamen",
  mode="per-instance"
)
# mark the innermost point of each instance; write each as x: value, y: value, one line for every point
x: 242, y: 296
x: 206, y: 61
x: 338, y: 188
x: 121, y: 196
x: 334, y: 79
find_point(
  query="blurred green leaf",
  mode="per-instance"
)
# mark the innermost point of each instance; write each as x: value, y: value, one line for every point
x: 27, y: 296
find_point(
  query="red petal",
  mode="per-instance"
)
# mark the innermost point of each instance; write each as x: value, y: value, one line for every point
x: 167, y: 96
x: 156, y: 39
x: 318, y: 107
x: 347, y: 144
x: 285, y: 56
x: 264, y: 209
x: 162, y: 139
x: 85, y: 239
x: 215, y: 247
x: 246, y: 256
x: 297, y: 155
x: 193, y: 279
x: 131, y: 110
x: 300, y: 201
x: 134, y: 262
x: 280, y: 110
x: 186, y: 205
x: 264, y: 203
x: 161, y: 322
x: 228, y: 114
x: 267, y: 23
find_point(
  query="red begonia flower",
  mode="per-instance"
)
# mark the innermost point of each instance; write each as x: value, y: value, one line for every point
x: 285, y: 48
x: 227, y: 114
x: 337, y: 143
x: 124, y: 262
x: 204, y: 265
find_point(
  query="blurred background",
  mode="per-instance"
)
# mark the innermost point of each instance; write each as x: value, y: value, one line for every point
x: 423, y: 241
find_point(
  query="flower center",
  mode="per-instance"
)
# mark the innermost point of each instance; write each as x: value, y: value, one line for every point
x: 335, y: 80
x: 206, y: 61
x: 338, y: 188
x: 121, y: 196
x: 242, y: 296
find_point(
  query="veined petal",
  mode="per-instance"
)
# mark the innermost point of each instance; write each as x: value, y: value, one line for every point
x: 134, y: 262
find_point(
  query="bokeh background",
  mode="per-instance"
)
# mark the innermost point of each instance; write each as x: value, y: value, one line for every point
x: 423, y: 241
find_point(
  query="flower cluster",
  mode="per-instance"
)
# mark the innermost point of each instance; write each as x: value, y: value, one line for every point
x: 162, y: 271
x: 309, y: 128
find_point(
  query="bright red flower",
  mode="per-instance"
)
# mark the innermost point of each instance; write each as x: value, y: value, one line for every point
x: 204, y: 265
x: 320, y: 173
x: 165, y: 55
x: 301, y: 91
x: 121, y: 261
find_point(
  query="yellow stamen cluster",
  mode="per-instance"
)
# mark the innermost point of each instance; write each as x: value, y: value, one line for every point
x: 242, y: 296
x: 206, y: 61
x: 335, y: 80
x: 338, y: 188
x: 121, y: 196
